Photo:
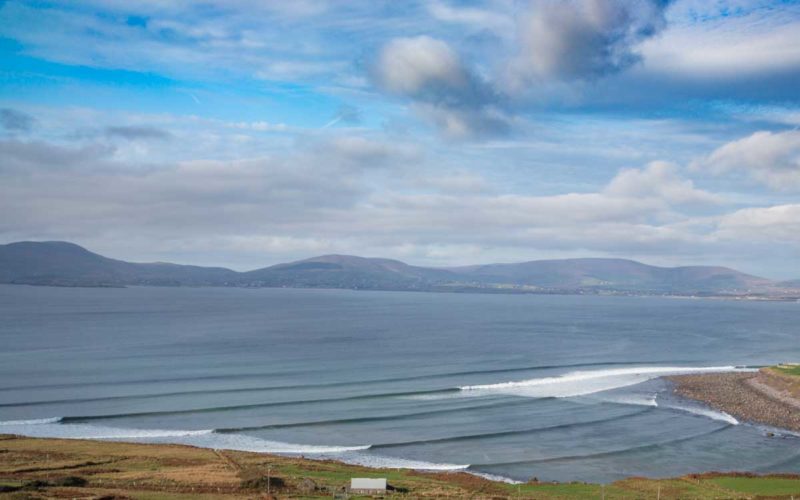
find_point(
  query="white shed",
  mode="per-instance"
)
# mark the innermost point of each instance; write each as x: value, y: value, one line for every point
x: 367, y: 485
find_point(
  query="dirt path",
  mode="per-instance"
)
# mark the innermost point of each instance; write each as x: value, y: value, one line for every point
x: 776, y: 394
x: 228, y: 460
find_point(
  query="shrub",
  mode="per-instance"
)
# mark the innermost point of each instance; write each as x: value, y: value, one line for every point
x: 74, y: 481
x: 261, y: 482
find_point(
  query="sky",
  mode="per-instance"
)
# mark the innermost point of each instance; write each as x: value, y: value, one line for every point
x: 247, y: 133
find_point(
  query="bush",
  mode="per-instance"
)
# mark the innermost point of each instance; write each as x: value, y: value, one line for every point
x: 36, y: 484
x: 74, y: 481
x: 259, y: 482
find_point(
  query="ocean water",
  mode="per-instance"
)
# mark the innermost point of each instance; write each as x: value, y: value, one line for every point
x: 512, y: 386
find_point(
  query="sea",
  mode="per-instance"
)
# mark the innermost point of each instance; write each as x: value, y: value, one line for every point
x: 511, y: 387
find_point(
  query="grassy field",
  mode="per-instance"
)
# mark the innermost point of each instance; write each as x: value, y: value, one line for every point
x: 793, y: 370
x: 53, y: 468
x: 784, y: 378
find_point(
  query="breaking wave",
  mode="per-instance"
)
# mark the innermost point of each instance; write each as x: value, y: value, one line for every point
x: 706, y: 412
x: 204, y: 438
x: 383, y: 462
x: 209, y: 438
x: 35, y: 421
x: 633, y: 399
x: 581, y: 383
x: 250, y: 406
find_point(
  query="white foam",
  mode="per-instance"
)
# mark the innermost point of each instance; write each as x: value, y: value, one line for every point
x: 707, y: 412
x: 581, y: 383
x: 36, y: 421
x: 243, y: 442
x: 205, y: 438
x: 433, y: 397
x: 53, y: 429
x: 633, y: 399
x: 495, y: 477
x: 383, y: 462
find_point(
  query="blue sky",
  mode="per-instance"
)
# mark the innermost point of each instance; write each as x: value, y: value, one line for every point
x: 245, y: 133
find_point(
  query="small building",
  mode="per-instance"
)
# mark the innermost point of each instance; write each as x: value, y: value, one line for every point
x: 367, y: 486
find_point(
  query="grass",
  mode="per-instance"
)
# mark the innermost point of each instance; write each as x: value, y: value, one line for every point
x: 770, y: 486
x: 150, y: 471
x: 788, y: 370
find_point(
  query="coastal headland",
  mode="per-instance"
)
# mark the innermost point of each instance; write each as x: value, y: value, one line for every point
x: 59, y: 468
x: 768, y: 396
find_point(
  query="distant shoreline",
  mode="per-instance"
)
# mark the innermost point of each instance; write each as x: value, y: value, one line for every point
x: 467, y: 291
x: 767, y: 396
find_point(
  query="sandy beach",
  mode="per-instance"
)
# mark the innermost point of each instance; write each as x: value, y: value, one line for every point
x: 766, y: 396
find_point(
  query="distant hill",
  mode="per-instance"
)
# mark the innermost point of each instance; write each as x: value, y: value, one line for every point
x: 346, y: 271
x: 617, y: 274
x: 66, y: 264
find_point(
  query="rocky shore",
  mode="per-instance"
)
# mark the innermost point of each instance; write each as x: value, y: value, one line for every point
x: 764, y: 396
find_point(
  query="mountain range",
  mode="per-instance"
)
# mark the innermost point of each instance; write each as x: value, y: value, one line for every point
x: 58, y: 263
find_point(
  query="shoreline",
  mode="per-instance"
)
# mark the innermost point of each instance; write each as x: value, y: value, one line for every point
x: 780, y: 297
x: 766, y: 397
x: 78, y: 468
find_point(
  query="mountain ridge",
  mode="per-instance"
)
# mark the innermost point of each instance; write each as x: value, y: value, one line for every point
x: 61, y: 263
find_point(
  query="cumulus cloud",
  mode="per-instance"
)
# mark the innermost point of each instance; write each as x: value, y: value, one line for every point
x: 555, y: 42
x: 650, y: 196
x: 421, y: 65
x: 775, y: 224
x: 321, y: 191
x: 585, y: 39
x: 86, y: 188
x: 16, y: 121
x: 661, y: 180
x: 772, y: 158
x: 441, y: 87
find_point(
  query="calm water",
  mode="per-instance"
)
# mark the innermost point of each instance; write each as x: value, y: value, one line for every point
x: 557, y: 387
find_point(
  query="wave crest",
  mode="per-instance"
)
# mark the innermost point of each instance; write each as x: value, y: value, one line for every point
x: 580, y: 383
x: 35, y: 421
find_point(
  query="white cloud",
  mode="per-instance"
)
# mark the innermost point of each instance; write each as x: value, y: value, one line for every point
x: 582, y: 39
x: 496, y: 21
x: 260, y: 126
x: 776, y: 224
x: 772, y: 158
x: 442, y: 89
x: 326, y: 196
x: 414, y: 65
x: 729, y: 48
x: 659, y: 179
